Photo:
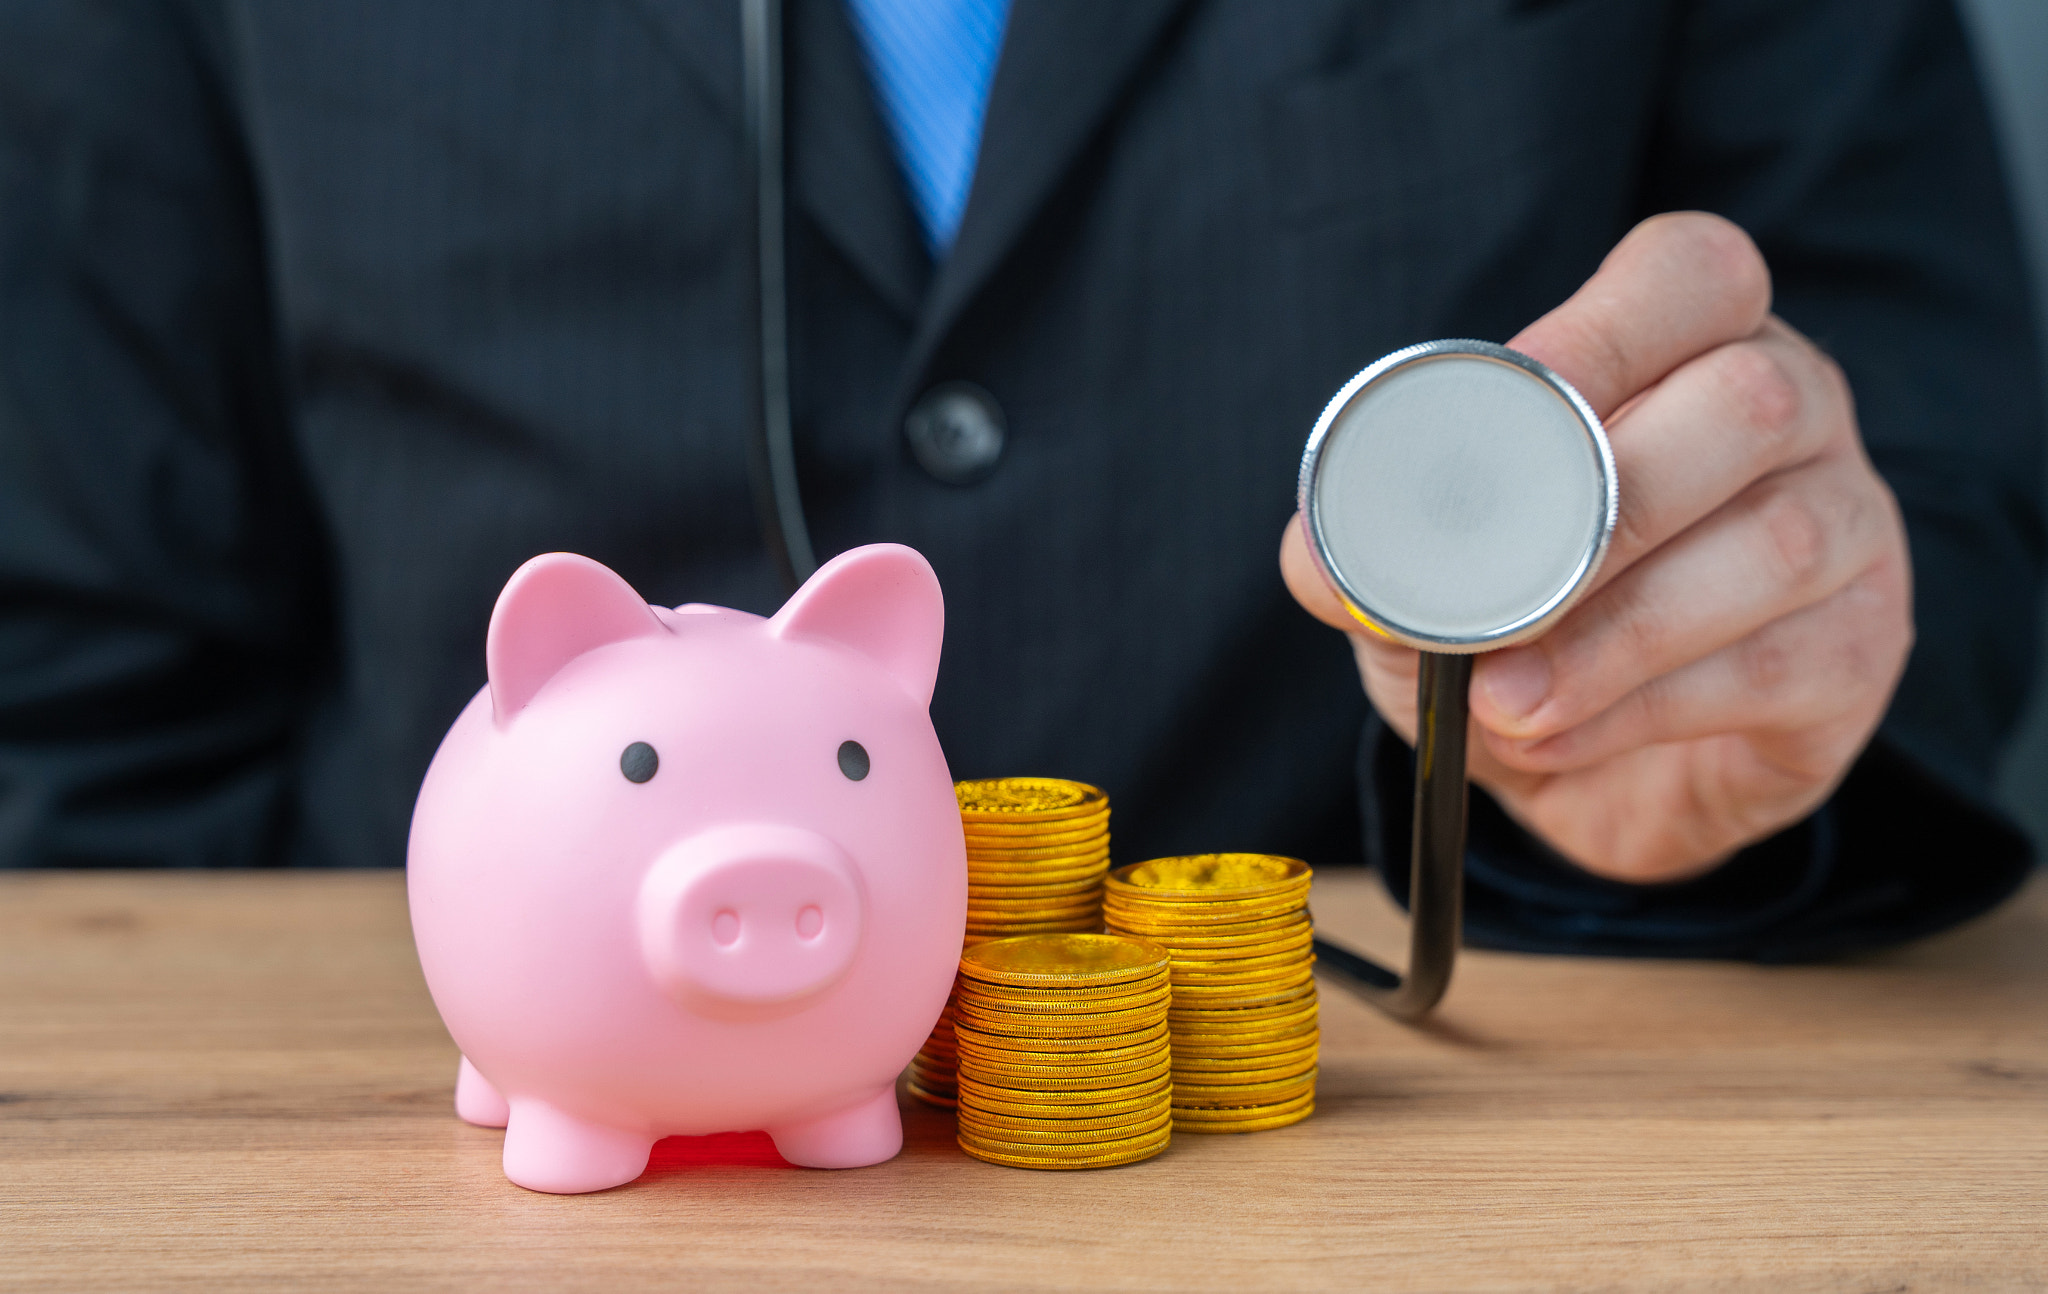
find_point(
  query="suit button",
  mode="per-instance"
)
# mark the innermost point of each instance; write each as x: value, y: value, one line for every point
x: 956, y: 430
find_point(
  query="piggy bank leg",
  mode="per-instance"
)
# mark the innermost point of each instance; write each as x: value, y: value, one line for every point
x: 547, y: 1150
x: 863, y: 1134
x: 476, y: 1101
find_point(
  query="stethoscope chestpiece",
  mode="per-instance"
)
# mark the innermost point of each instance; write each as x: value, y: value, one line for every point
x: 1459, y: 497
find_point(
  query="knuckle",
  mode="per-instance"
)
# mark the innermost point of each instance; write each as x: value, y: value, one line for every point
x: 1763, y: 391
x: 1765, y: 664
x: 1795, y: 535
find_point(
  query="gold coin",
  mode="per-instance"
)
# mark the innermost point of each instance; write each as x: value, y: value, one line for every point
x: 992, y: 931
x: 1194, y: 1078
x: 1082, y: 833
x: 1052, y: 1010
x: 1054, y: 1003
x: 1091, y: 856
x: 1076, y: 890
x: 1149, y: 1026
x: 1185, y: 1050
x: 1244, y: 958
x: 1081, y: 1150
x: 1010, y: 926
x: 942, y: 1101
x: 1052, y: 1118
x: 1230, y: 1113
x: 1289, y: 970
x: 1065, y: 1051
x: 1083, y: 887
x: 1203, y: 1014
x: 1051, y: 853
x: 1225, y: 1094
x: 1201, y: 993
x: 996, y: 1134
x: 1033, y: 910
x: 1048, y: 1053
x: 1028, y: 799
x: 1114, y: 1160
x: 1123, y: 1065
x: 1051, y: 961
x: 1064, y: 1078
x: 1065, y: 1098
x: 1202, y: 945
x: 1298, y: 956
x: 1028, y: 914
x: 1199, y: 1044
x: 1191, y: 908
x: 1071, y: 876
x: 1147, y: 1115
x: 1251, y: 971
x: 1205, y: 1028
x: 1093, y: 1024
x: 1014, y: 997
x: 1212, y: 876
x: 1005, y: 997
x: 1207, y: 918
x: 1296, y: 1049
x: 1299, y: 941
x: 1073, y: 869
x: 1295, y: 1113
x: 1227, y: 922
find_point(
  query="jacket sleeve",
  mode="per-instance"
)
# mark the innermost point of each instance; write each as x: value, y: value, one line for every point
x: 157, y: 625
x: 1849, y: 137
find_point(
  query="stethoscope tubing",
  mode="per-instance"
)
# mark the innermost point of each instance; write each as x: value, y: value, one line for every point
x: 1436, y: 875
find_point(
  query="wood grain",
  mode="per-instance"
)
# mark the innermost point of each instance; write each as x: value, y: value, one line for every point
x: 238, y: 1082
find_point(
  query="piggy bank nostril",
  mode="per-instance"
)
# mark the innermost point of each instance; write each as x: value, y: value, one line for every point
x: 725, y: 928
x: 810, y: 922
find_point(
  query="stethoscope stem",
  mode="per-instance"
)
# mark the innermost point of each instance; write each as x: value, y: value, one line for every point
x: 1436, y: 870
x: 772, y: 454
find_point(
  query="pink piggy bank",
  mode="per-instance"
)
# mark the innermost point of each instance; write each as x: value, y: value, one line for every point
x: 692, y: 871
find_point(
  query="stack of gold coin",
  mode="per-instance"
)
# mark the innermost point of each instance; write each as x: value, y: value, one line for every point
x: 1063, y: 1047
x: 1037, y: 850
x: 1244, y: 993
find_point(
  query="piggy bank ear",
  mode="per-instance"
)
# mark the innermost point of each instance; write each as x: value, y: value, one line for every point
x: 553, y: 609
x: 884, y: 602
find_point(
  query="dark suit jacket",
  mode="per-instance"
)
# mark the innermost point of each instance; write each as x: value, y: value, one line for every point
x: 321, y: 317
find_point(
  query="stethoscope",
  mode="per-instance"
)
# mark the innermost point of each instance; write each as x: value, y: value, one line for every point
x: 1458, y: 495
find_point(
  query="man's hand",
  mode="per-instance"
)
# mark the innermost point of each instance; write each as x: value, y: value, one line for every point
x: 1754, y: 613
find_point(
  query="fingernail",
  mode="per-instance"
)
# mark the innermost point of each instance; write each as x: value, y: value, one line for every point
x: 1516, y: 681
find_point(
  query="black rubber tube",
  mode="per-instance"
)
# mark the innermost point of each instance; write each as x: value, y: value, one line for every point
x: 1436, y: 872
x: 772, y: 453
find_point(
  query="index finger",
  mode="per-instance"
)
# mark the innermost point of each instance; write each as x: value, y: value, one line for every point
x: 1676, y: 286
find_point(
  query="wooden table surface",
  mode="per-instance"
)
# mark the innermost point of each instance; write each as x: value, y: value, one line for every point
x: 238, y: 1082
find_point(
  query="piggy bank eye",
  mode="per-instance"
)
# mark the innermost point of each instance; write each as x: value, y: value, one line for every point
x: 853, y: 760
x: 639, y: 762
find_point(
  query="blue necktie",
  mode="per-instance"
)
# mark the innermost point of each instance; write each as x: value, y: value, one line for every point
x: 932, y: 61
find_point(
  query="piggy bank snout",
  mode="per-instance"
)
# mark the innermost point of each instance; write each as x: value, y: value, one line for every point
x: 750, y: 916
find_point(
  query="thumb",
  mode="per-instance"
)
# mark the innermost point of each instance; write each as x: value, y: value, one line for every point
x: 1307, y: 583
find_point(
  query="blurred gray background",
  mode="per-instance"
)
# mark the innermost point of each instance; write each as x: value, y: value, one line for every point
x: 2012, y: 46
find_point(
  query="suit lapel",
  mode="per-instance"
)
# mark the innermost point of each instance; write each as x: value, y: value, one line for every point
x: 1063, y: 64
x: 843, y: 167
